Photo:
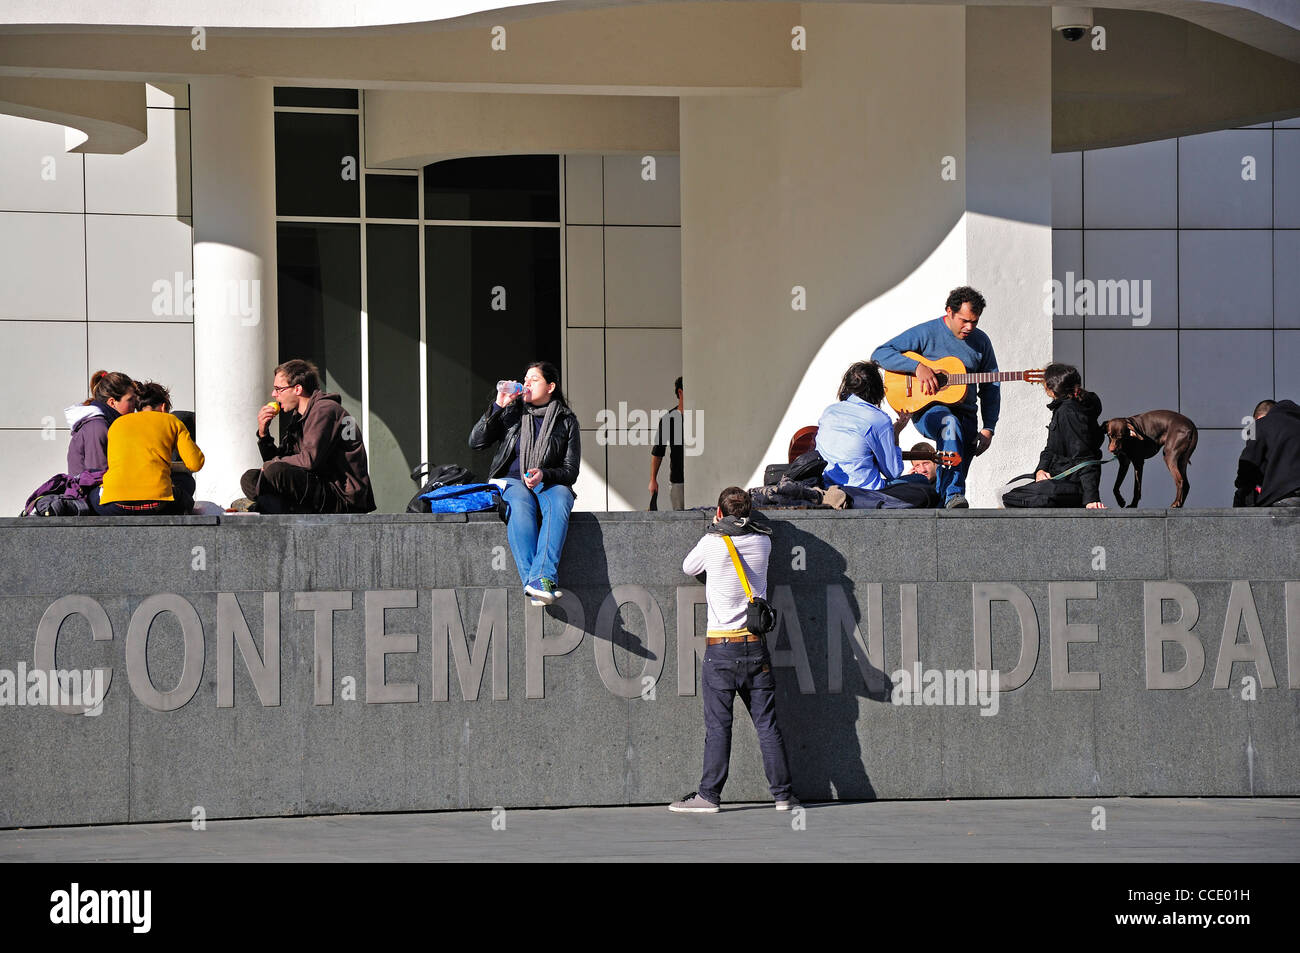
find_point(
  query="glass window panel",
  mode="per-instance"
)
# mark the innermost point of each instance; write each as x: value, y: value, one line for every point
x: 319, y: 286
x: 316, y: 97
x: 494, y: 188
x: 311, y: 159
x: 471, y: 345
x: 393, y: 316
x: 392, y: 196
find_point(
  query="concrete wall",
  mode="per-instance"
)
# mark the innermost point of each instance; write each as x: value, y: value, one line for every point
x: 593, y: 702
x: 412, y: 130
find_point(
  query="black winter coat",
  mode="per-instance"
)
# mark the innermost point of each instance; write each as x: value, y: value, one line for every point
x: 1074, y: 435
x: 1272, y: 460
x: 563, y: 451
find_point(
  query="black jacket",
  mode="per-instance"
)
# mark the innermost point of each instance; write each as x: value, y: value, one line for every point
x: 1272, y: 460
x: 563, y: 451
x: 1074, y: 435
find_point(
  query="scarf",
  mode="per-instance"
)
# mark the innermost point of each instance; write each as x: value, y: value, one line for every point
x: 533, y: 449
x: 109, y: 413
x: 738, y: 526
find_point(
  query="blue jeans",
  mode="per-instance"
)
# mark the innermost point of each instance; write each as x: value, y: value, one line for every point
x: 958, y: 436
x: 744, y: 669
x: 537, y: 522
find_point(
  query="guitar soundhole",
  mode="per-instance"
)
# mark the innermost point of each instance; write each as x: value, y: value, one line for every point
x: 942, y: 379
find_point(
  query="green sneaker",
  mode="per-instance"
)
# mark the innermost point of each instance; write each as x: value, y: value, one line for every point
x: 543, y: 592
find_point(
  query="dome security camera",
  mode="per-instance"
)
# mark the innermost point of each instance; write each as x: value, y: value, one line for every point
x: 1072, y: 22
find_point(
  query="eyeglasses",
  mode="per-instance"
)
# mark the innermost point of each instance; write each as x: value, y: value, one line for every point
x: 276, y: 390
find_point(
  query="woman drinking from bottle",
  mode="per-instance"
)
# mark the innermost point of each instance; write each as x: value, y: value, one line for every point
x: 538, y: 460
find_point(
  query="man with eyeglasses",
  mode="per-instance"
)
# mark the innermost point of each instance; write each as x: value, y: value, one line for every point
x: 320, y: 465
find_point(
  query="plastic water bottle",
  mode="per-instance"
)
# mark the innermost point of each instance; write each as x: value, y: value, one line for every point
x: 509, y: 388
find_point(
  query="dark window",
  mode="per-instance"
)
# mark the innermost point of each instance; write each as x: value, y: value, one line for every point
x: 392, y: 196
x: 494, y: 188
x: 320, y: 302
x: 470, y: 344
x: 316, y: 165
x: 393, y: 316
x: 316, y: 98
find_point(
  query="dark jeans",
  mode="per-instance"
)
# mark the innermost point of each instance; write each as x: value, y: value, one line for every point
x: 951, y: 429
x: 183, y: 487
x: 283, y: 488
x: 135, y: 507
x: 744, y: 669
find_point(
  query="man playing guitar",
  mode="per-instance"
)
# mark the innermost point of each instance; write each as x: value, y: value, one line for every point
x: 952, y: 428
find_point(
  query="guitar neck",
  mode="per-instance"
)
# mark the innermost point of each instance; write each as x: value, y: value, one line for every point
x: 987, y: 377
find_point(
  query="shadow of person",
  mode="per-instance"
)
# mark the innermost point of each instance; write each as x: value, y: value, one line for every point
x: 585, y: 561
x: 821, y: 674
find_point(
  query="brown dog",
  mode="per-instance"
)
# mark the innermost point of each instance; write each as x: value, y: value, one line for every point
x: 1136, y: 439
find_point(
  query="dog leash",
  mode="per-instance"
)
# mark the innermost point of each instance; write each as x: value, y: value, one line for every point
x: 1064, y: 473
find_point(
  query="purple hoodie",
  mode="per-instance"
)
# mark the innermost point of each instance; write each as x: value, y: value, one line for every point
x: 89, y: 447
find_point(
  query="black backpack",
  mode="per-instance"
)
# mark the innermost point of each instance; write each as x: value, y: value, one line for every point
x: 435, y: 477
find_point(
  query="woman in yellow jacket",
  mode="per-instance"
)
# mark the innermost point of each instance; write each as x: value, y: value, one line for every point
x: 140, y: 449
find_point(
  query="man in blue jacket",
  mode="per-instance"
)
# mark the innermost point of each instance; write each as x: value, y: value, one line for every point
x: 952, y: 428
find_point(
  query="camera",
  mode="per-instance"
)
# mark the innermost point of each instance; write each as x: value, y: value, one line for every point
x: 1072, y: 22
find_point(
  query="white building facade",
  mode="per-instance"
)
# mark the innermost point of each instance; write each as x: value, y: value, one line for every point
x: 750, y: 196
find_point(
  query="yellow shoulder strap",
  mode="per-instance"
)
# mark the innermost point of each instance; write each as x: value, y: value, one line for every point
x: 740, y: 570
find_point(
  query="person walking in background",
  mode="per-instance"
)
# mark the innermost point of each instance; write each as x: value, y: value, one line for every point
x: 140, y: 450
x: 541, y: 450
x: 320, y: 465
x: 736, y: 661
x: 670, y: 437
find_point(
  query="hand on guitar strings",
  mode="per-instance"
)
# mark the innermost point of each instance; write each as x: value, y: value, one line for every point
x: 929, y: 382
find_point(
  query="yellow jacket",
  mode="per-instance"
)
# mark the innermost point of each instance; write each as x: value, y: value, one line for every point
x: 140, y: 447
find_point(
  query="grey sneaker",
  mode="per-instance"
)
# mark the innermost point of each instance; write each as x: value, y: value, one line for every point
x: 787, y: 803
x: 956, y: 502
x: 241, y: 505
x: 693, y: 804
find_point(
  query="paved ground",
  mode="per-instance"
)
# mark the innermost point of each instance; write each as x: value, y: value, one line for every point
x: 1137, y: 829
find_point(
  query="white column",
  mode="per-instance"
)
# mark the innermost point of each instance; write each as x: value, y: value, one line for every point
x: 232, y: 137
x: 1008, y: 178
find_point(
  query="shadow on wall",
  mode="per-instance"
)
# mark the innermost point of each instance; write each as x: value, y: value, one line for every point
x: 821, y: 729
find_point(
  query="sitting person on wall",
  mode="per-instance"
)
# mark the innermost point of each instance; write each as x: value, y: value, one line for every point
x: 1074, y: 437
x: 855, y: 437
x: 112, y: 394
x: 538, y: 463
x: 320, y: 465
x: 140, y: 449
x: 918, y: 485
x: 1268, y: 473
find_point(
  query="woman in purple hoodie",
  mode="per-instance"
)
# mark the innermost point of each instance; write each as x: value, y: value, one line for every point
x: 112, y: 394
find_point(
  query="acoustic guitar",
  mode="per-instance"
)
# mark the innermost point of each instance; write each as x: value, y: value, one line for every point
x: 903, y: 391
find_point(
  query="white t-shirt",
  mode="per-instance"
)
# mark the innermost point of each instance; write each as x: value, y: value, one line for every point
x: 722, y: 588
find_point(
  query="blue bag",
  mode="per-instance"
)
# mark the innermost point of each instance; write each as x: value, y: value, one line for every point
x: 462, y: 498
